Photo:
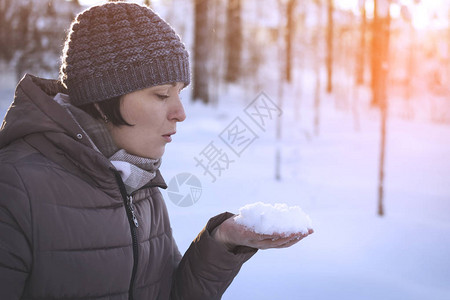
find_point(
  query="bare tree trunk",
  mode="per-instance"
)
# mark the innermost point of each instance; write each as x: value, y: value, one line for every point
x: 362, y: 48
x: 279, y: 132
x: 14, y: 28
x: 355, y: 110
x: 381, y: 165
x: 330, y: 47
x: 376, y: 56
x: 317, y: 65
x: 409, y: 87
x: 360, y: 65
x: 317, y: 102
x: 201, y: 74
x: 300, y: 55
x: 255, y: 56
x: 282, y: 75
x: 286, y: 76
x: 289, y: 37
x: 217, y: 50
x: 448, y: 47
x: 357, y: 71
x: 384, y: 34
x: 374, y: 53
x: 410, y: 68
x: 233, y: 40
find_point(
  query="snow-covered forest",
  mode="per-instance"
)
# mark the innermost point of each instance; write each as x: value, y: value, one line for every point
x: 345, y: 109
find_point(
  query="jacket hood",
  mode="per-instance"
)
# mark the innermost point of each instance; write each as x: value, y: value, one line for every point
x: 35, y: 111
x: 37, y: 118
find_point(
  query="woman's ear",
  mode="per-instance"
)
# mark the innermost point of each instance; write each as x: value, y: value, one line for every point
x: 102, y: 114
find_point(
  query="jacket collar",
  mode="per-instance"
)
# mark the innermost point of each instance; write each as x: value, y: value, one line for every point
x: 34, y: 99
x: 54, y: 133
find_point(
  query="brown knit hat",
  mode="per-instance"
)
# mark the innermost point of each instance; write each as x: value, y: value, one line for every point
x: 117, y: 48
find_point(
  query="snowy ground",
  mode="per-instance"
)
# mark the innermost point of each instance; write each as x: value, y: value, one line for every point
x: 353, y: 254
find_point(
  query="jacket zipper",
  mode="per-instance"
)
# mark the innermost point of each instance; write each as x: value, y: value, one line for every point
x: 134, y: 224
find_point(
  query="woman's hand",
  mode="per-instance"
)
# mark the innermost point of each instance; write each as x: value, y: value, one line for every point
x: 232, y: 234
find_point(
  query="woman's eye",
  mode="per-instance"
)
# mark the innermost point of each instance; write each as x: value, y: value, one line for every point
x: 162, y: 97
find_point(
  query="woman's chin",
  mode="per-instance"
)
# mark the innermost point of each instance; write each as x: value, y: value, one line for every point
x: 155, y: 154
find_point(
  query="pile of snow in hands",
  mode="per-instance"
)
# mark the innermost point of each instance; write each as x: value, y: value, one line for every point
x: 269, y: 219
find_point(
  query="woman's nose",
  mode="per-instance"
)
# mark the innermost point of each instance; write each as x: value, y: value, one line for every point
x: 177, y: 112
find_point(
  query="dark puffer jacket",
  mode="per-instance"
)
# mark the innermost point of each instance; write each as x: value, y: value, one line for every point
x: 66, y: 230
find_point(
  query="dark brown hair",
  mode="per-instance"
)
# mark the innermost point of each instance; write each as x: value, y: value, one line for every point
x: 111, y: 109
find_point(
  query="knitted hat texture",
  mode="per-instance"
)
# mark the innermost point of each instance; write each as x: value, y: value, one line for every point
x: 117, y: 48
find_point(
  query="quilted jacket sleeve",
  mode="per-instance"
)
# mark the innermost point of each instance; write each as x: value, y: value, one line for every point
x: 207, y: 268
x: 15, y: 232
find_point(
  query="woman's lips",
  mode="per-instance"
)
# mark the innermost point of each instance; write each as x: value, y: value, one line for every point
x: 168, y: 137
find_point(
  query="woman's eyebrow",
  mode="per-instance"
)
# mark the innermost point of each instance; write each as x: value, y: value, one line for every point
x: 160, y: 87
x: 165, y: 86
x: 172, y: 84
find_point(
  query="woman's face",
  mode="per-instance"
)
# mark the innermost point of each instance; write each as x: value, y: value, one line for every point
x: 154, y: 112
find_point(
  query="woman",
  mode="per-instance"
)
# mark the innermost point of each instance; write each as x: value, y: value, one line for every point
x: 81, y: 213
